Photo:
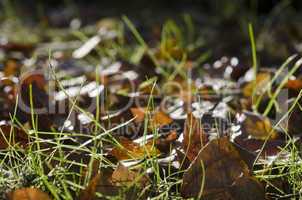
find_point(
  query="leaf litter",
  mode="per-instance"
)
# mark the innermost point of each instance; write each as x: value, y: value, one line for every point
x: 201, y: 129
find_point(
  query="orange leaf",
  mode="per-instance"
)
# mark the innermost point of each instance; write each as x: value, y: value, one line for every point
x: 294, y: 84
x: 131, y: 150
x: 160, y: 119
x: 89, y: 192
x: 139, y: 113
x: 28, y: 194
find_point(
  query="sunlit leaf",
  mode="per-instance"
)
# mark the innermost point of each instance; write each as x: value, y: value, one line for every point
x: 130, y: 150
x: 256, y: 126
x: 28, y: 194
x: 262, y: 81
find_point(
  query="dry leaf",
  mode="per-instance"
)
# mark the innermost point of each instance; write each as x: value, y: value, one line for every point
x: 131, y: 150
x: 139, y: 114
x: 194, y: 137
x: 122, y: 176
x: 164, y: 144
x: 89, y: 192
x: 16, y: 136
x: 158, y: 118
x: 262, y: 80
x: 294, y: 84
x: 257, y: 126
x: 28, y: 194
x: 223, y: 166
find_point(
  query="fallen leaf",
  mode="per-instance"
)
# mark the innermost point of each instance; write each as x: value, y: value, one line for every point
x: 223, y: 166
x: 100, y: 183
x: 164, y: 144
x: 130, y: 150
x: 122, y: 176
x: 294, y: 84
x: 11, y: 135
x: 11, y: 68
x: 89, y: 192
x: 262, y: 81
x: 28, y: 194
x: 295, y: 120
x: 139, y: 114
x: 158, y: 118
x: 194, y: 137
x: 248, y: 188
x: 256, y: 126
x: 121, y: 181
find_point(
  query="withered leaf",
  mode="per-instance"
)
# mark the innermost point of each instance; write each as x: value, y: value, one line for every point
x: 28, y: 194
x: 294, y: 84
x: 89, y: 192
x: 256, y: 126
x: 223, y: 166
x: 11, y: 68
x: 10, y: 135
x: 139, y: 114
x: 262, y: 80
x: 111, y: 183
x: 158, y: 118
x: 122, y: 176
x: 131, y: 150
x: 164, y: 144
x: 248, y: 188
x: 194, y: 137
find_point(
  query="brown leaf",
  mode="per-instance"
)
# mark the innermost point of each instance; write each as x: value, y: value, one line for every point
x: 164, y: 144
x: 28, y: 194
x: 158, y: 118
x: 295, y: 120
x: 89, y: 192
x: 223, y: 166
x: 139, y: 113
x: 262, y: 80
x: 294, y: 84
x: 11, y: 68
x: 248, y: 188
x: 122, y: 176
x: 11, y: 138
x: 270, y: 148
x: 183, y: 160
x: 99, y: 183
x: 131, y: 150
x: 194, y: 138
x: 257, y: 126
x: 37, y: 79
x: 111, y: 183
